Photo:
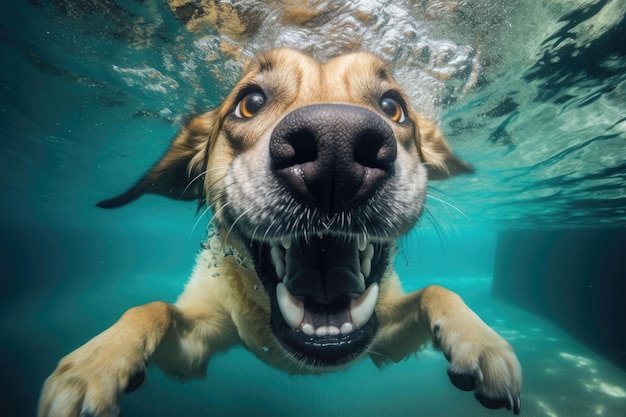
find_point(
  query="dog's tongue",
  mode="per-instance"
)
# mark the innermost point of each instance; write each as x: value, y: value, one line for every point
x: 324, y: 269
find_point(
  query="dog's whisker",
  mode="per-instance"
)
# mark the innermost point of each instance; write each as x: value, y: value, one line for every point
x: 194, y: 179
x: 450, y: 205
x: 440, y: 233
x: 234, y: 224
x: 269, y: 229
x: 254, y: 233
x: 217, y: 214
x: 204, y: 213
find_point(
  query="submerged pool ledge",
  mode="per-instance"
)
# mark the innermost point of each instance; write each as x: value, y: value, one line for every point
x: 576, y: 278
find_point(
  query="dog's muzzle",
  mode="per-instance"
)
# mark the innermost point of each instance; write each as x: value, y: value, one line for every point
x: 331, y: 160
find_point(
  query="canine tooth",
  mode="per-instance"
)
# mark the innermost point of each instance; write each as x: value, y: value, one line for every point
x: 346, y: 328
x: 286, y: 241
x: 366, y: 267
x: 308, y: 329
x: 362, y: 242
x: 362, y: 277
x: 362, y: 308
x: 291, y: 308
x: 277, y: 255
x: 321, y: 331
x: 333, y: 330
x: 281, y: 270
x: 366, y: 260
x: 278, y: 261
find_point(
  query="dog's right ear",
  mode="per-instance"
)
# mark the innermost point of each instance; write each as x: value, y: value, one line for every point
x: 440, y: 162
x: 179, y: 174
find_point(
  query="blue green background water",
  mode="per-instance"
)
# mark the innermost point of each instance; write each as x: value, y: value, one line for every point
x: 92, y: 91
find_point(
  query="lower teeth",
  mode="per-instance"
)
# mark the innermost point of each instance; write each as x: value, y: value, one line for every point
x: 346, y: 328
x: 309, y: 330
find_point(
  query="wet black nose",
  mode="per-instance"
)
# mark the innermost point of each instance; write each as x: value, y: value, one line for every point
x: 333, y: 156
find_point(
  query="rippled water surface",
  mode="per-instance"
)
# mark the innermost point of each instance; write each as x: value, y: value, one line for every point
x: 532, y: 94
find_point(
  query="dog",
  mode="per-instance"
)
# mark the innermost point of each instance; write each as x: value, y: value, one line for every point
x: 313, y: 171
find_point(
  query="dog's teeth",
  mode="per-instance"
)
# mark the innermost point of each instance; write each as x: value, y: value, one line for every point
x: 366, y: 260
x: 278, y: 261
x: 362, y: 308
x: 321, y: 331
x: 326, y: 330
x: 308, y: 329
x: 277, y: 255
x: 362, y: 277
x: 333, y: 330
x: 346, y: 328
x: 291, y: 308
x: 362, y: 242
x: 366, y: 267
x: 281, y: 270
x: 286, y: 241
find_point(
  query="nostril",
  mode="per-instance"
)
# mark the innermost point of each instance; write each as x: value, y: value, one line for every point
x: 332, y: 156
x: 375, y: 150
x: 297, y: 147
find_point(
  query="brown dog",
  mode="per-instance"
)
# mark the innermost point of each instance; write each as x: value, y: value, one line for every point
x: 313, y: 172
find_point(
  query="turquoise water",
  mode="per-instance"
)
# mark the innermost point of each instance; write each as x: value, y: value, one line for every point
x: 92, y: 91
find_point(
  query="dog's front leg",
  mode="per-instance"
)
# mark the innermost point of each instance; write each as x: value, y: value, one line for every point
x: 480, y: 359
x: 90, y: 380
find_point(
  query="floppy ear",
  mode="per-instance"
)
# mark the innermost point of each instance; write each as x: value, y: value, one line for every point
x: 440, y: 161
x: 179, y: 174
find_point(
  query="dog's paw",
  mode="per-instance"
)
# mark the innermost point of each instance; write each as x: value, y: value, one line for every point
x: 89, y: 381
x: 481, y: 361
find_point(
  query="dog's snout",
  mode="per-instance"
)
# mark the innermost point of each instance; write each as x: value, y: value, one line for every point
x: 333, y: 156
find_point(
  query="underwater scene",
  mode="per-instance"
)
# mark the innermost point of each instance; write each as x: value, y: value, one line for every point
x: 531, y: 94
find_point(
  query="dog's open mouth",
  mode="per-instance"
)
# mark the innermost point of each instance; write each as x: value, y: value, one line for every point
x: 324, y: 291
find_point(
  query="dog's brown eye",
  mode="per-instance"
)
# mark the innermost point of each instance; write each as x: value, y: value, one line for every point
x: 393, y: 109
x: 250, y: 105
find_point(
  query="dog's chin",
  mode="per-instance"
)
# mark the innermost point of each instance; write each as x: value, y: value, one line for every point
x: 323, y: 291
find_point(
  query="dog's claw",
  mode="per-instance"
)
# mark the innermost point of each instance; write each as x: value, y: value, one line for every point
x: 494, y: 403
x: 464, y: 381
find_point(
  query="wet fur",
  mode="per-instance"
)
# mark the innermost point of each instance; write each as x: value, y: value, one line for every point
x: 223, y: 304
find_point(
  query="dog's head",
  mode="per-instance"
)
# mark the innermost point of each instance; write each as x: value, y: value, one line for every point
x: 313, y: 171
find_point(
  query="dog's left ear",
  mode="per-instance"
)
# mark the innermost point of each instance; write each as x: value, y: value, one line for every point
x: 179, y: 174
x: 438, y: 157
